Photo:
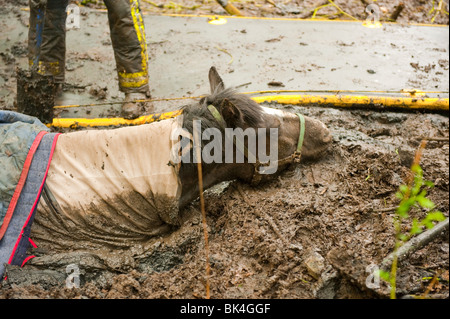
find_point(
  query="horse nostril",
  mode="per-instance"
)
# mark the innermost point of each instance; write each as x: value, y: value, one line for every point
x: 327, y: 137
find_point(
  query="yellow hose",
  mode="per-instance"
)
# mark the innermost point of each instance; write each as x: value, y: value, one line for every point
x: 414, y: 103
x: 377, y: 102
x: 117, y: 121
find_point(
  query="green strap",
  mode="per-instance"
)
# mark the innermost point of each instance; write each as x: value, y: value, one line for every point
x: 302, y: 132
x: 217, y: 115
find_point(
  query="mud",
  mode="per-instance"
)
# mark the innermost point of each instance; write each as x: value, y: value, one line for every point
x: 35, y: 95
x: 416, y: 11
x: 266, y: 242
x: 310, y: 233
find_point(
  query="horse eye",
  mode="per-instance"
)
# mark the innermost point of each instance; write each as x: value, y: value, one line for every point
x: 202, y: 100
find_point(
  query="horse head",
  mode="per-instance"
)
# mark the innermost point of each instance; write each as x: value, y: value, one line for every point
x: 255, y: 142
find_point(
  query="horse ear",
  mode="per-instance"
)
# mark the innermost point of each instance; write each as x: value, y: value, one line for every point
x: 231, y: 114
x: 215, y: 81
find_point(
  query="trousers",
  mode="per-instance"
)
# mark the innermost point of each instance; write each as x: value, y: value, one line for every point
x: 47, y: 41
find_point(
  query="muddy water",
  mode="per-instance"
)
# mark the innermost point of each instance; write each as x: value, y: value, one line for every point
x: 263, y: 240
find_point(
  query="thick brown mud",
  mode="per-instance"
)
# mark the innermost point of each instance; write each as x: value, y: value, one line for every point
x: 35, y: 95
x: 311, y: 233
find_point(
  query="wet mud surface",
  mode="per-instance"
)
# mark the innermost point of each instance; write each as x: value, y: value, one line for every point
x: 411, y: 11
x: 310, y: 233
x: 35, y: 95
x: 340, y: 60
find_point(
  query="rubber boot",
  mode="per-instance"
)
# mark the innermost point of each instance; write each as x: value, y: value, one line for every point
x: 131, y: 109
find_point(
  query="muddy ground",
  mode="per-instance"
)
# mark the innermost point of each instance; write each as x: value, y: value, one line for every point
x: 410, y: 11
x: 264, y: 241
x: 310, y: 233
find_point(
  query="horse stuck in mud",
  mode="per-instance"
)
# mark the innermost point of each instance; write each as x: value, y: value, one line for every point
x: 121, y: 187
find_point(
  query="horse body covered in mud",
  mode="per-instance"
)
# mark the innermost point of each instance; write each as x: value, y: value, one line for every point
x: 116, y: 188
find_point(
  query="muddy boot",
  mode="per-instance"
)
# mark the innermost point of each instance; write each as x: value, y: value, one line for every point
x: 59, y: 99
x: 132, y: 110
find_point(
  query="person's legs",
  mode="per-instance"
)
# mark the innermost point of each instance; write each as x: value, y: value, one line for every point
x: 130, y: 51
x: 47, y: 38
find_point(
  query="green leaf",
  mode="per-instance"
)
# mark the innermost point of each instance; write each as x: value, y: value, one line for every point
x: 425, y: 202
x: 402, y: 211
x: 403, y: 189
x: 428, y: 223
x: 417, y: 169
x: 423, y: 193
x: 435, y: 216
x: 416, y: 188
x: 385, y: 275
x: 429, y: 184
x: 405, y: 206
x: 415, y: 228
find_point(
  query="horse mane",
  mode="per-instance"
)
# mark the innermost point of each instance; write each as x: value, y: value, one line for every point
x: 251, y: 111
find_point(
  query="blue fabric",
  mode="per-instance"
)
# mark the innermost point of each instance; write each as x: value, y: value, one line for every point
x: 24, y: 212
x: 17, y: 133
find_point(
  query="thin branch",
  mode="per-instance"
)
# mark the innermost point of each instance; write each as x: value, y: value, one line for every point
x: 231, y: 9
x: 202, y: 206
x: 415, y: 244
x: 437, y: 139
x: 153, y: 3
x: 270, y: 221
x: 341, y: 11
x: 397, y: 11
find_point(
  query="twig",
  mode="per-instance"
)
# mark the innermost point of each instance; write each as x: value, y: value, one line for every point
x: 438, y: 10
x: 331, y: 3
x: 226, y: 52
x: 397, y: 11
x: 385, y: 210
x: 171, y: 5
x: 397, y: 226
x: 270, y: 221
x: 437, y: 139
x: 243, y: 84
x: 202, y: 206
x: 415, y: 244
x: 231, y: 9
x: 276, y: 277
x: 267, y: 218
x: 153, y: 3
x: 431, y: 285
x: 341, y: 11
x: 307, y: 13
x: 318, y: 8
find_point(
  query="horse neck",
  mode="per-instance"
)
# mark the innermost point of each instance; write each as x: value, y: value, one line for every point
x: 212, y: 174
